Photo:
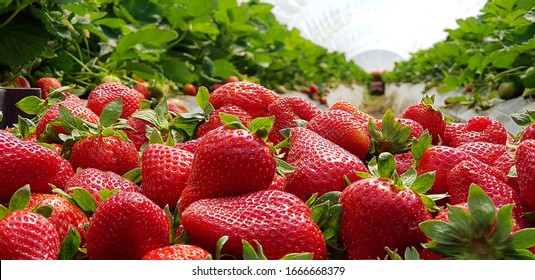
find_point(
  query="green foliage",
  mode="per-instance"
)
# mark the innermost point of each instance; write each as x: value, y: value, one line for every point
x: 168, y: 43
x: 484, y: 51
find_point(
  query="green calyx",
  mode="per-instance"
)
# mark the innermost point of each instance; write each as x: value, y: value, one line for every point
x: 479, y: 234
x: 393, y: 137
x: 250, y: 253
x: 186, y: 124
x: 524, y: 119
x: 258, y: 126
x: 411, y: 254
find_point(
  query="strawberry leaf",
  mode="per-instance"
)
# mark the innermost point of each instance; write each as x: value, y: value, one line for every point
x: 154, y: 135
x: 231, y: 121
x: 20, y: 199
x: 261, y: 126
x: 44, y: 211
x: 386, y: 165
x: 482, y: 210
x: 460, y: 219
x: 111, y: 113
x: 70, y: 245
x: 133, y: 175
x: 298, y: 256
x: 84, y: 200
x: 524, y: 238
x: 440, y: 231
x: 105, y: 194
x: 219, y: 246
x: 31, y: 105
x: 3, y: 211
x: 283, y: 167
x: 504, y: 225
x: 423, y: 183
x: 249, y: 253
x: 420, y: 145
x: 202, y: 98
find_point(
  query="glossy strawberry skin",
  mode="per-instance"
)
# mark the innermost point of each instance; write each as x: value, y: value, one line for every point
x: 177, y: 252
x: 215, y: 121
x: 416, y: 128
x: 428, y: 117
x: 190, y: 146
x: 279, y: 221
x: 253, y: 98
x: 375, y: 215
x: 477, y: 129
x: 286, y: 110
x: 525, y: 166
x: 23, y: 162
x: 137, y: 136
x: 350, y: 108
x: 28, y: 236
x: 45, y: 84
x: 105, y: 153
x: 320, y: 165
x: 528, y: 133
x: 105, y: 93
x: 278, y: 183
x: 165, y: 171
x: 404, y: 161
x: 344, y: 130
x: 484, y: 151
x: 504, y: 164
x: 126, y: 226
x: 94, y: 180
x: 64, y: 214
x: 76, y: 109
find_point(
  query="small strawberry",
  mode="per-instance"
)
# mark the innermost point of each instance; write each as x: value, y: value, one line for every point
x: 350, y: 108
x: 105, y: 93
x: 177, y: 252
x: 384, y: 209
x: 53, y: 112
x: 126, y: 226
x: 278, y: 183
x: 138, y: 135
x: 94, y: 180
x: 142, y: 87
x: 190, y: 89
x: 320, y: 165
x: 279, y: 221
x: 525, y: 167
x: 21, y: 82
x: 165, y: 171
x: 45, y: 84
x: 214, y: 120
x: 428, y: 116
x: 253, y: 98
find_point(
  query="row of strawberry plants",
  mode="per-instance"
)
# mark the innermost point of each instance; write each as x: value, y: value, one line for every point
x: 487, y: 57
x: 170, y: 43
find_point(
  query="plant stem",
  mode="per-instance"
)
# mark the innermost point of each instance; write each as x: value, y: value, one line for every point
x: 79, y: 62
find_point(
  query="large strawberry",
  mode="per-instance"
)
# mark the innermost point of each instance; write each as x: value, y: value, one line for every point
x: 343, y: 129
x: 53, y: 112
x: 525, y: 167
x: 105, y: 93
x: 350, y: 108
x: 477, y: 129
x: 230, y: 161
x: 480, y: 232
x: 428, y: 116
x: 320, y: 165
x: 214, y: 120
x: 383, y: 210
x: 23, y: 162
x: 279, y: 221
x: 165, y: 171
x: 253, y: 98
x: 45, y: 84
x: 126, y: 226
x: 286, y: 111
x: 94, y: 180
x: 177, y: 252
x: 484, y: 151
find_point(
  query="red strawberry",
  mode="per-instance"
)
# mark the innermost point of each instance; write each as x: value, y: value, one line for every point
x: 525, y: 166
x: 45, y: 84
x: 190, y: 89
x: 190, y: 146
x: 229, y: 162
x: 343, y: 129
x: 416, y: 128
x: 105, y: 153
x: 528, y: 133
x: 404, y: 161
x: 253, y: 98
x: 286, y: 110
x: 105, y: 93
x: 350, y: 108
x: 379, y: 211
x: 143, y: 88
x: 94, y: 180
x: 504, y: 164
x: 478, y: 129
x: 165, y: 171
x: 278, y: 183
x: 26, y: 235
x: 64, y: 214
x: 137, y: 136
x: 484, y: 151
x: 320, y: 165
x: 21, y: 82
x: 126, y: 226
x: 53, y: 112
x: 23, y: 162
x: 279, y: 221
x: 428, y: 116
x: 215, y: 120
x: 177, y: 252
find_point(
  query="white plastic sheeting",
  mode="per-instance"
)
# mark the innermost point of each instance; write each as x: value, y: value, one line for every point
x: 357, y: 26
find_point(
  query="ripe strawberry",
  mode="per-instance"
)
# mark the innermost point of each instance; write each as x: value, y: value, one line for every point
x: 215, y: 120
x: 381, y: 211
x: 177, y: 252
x: 478, y: 129
x: 504, y: 164
x: 126, y: 226
x: 190, y: 146
x: 21, y: 82
x: 165, y: 171
x: 428, y: 116
x: 105, y: 153
x: 404, y: 161
x: 23, y: 162
x: 525, y: 166
x: 350, y: 108
x: 343, y: 129
x: 45, y: 84
x: 105, y: 93
x: 94, y: 180
x: 278, y: 183
x: 26, y: 235
x: 528, y: 133
x: 416, y: 128
x: 253, y: 98
x: 320, y: 165
x: 53, y: 112
x: 279, y: 221
x: 64, y: 214
x: 484, y: 151
x: 286, y: 111
x: 228, y: 162
x: 231, y: 79
x: 138, y: 135
x: 143, y: 88
x: 176, y: 106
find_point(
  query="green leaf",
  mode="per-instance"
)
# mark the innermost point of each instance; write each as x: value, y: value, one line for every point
x: 461, y: 220
x: 223, y: 68
x: 219, y: 246
x: 203, y: 100
x: 20, y: 199
x: 31, y: 105
x: 523, y: 239
x: 419, y: 146
x: 155, y: 136
x: 504, y: 225
x: 311, y: 200
x: 441, y: 232
x: 298, y: 256
x: 482, y: 210
x: 44, y: 211
x: 111, y: 113
x: 207, y: 66
x: 411, y: 254
x: 409, y: 177
x: 261, y: 126
x: 386, y: 165
x: 70, y: 245
x: 423, y: 183
x: 105, y: 193
x: 502, y: 58
x: 22, y: 42
x: 152, y: 36
x: 147, y: 115
x: 249, y: 252
x: 528, y: 78
x: 71, y: 121
x: 133, y: 175
x: 3, y: 211
x: 84, y: 200
x: 231, y: 121
x: 283, y: 167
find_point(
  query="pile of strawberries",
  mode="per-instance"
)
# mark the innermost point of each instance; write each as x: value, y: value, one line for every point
x: 259, y: 176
